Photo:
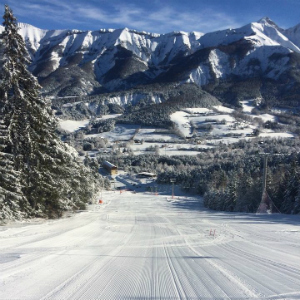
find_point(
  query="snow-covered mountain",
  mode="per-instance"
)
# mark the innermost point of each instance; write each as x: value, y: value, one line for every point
x: 70, y: 62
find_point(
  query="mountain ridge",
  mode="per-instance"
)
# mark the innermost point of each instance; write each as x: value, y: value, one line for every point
x: 74, y: 62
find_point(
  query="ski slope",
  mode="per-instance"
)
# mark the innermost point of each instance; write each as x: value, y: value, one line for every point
x: 145, y: 246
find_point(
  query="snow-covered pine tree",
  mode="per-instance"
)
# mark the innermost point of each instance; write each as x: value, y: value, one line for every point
x: 49, y: 171
x: 231, y: 192
x: 13, y: 204
x: 291, y: 192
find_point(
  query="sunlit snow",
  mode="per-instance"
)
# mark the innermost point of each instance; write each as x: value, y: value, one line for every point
x: 72, y: 125
x: 148, y: 245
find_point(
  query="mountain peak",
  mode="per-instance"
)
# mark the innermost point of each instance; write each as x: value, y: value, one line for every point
x: 26, y: 25
x: 114, y: 59
x: 268, y: 22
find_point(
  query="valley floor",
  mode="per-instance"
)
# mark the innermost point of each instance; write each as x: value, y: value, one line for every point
x: 146, y: 246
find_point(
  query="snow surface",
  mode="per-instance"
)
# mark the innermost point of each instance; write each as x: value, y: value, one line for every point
x: 198, y: 110
x: 111, y: 116
x: 224, y: 127
x: 249, y: 105
x: 72, y: 125
x: 121, y: 132
x: 180, y: 118
x: 170, y: 149
x: 148, y: 134
x: 224, y: 109
x: 143, y: 246
x: 200, y: 75
x: 185, y: 119
x: 276, y: 134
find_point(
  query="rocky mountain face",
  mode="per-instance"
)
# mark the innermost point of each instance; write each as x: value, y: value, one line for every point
x: 258, y: 60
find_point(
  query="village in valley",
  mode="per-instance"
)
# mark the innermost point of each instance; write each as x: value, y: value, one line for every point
x: 196, y: 129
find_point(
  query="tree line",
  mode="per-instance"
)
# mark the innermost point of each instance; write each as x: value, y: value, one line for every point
x: 229, y: 177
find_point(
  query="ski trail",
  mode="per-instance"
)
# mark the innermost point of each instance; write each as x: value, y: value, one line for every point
x: 142, y: 246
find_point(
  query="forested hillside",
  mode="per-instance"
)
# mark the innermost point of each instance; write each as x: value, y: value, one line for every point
x: 230, y: 177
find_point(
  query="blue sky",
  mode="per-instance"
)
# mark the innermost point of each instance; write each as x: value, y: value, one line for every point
x: 152, y: 15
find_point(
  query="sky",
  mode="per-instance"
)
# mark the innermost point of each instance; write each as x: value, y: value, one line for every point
x: 157, y: 16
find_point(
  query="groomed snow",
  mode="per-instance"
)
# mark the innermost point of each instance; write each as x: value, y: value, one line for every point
x: 143, y: 246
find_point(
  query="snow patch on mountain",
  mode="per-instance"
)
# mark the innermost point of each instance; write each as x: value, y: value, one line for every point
x: 270, y: 60
x: 263, y: 33
x: 156, y: 48
x: 129, y: 98
x: 269, y: 34
x: 200, y: 75
x: 195, y: 40
x: 220, y: 63
x: 125, y: 99
x: 293, y: 34
x: 32, y: 35
x: 225, y: 37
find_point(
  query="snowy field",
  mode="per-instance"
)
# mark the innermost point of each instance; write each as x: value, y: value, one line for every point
x: 121, y: 132
x: 145, y: 246
x: 198, y: 127
x: 148, y: 134
x: 249, y: 105
x: 224, y: 127
x: 72, y: 125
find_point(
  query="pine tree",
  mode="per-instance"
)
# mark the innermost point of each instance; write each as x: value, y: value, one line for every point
x: 49, y: 173
x: 13, y: 204
x: 231, y: 192
x: 12, y: 200
x: 291, y: 193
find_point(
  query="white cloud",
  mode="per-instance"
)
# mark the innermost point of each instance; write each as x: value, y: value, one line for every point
x: 161, y: 19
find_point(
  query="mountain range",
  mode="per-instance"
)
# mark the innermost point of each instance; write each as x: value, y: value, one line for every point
x: 259, y: 60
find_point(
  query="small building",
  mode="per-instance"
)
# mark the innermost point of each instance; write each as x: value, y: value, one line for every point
x: 110, y: 168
